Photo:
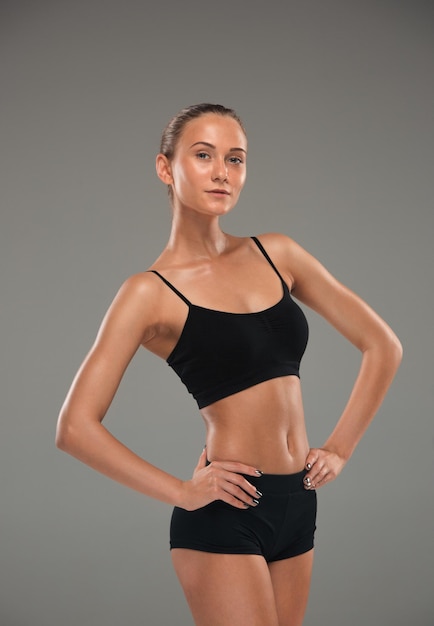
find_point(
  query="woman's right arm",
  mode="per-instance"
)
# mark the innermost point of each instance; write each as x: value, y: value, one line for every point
x: 129, y: 323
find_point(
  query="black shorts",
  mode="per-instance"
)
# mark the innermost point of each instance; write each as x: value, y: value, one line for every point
x: 281, y: 526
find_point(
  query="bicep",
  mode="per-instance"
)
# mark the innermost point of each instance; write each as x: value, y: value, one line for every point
x: 316, y: 287
x: 125, y: 327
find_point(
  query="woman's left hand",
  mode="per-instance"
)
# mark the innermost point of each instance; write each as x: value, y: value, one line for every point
x: 323, y: 466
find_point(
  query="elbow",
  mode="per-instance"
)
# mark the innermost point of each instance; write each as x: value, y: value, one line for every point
x: 63, y: 438
x: 74, y: 432
x: 396, y: 350
x: 60, y: 442
x: 387, y: 351
x: 393, y: 351
x: 399, y: 350
x: 65, y: 434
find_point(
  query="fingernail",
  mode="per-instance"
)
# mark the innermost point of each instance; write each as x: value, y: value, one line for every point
x: 258, y: 472
x: 258, y: 493
x: 308, y: 466
x: 255, y: 501
x: 307, y: 480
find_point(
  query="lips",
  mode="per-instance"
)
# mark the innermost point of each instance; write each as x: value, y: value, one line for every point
x: 222, y: 192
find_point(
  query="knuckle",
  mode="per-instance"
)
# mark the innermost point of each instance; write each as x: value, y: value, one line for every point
x: 240, y: 493
x: 235, y: 502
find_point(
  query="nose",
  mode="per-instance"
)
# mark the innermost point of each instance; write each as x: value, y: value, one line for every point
x: 220, y: 171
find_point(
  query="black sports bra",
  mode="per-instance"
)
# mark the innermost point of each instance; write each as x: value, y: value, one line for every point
x: 219, y: 353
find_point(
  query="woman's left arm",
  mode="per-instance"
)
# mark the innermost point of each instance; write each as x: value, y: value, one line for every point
x: 381, y: 355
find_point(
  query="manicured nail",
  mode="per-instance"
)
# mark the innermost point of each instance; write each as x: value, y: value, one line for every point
x: 258, y: 472
x: 307, y: 480
x: 308, y: 466
x: 255, y: 501
x: 258, y: 493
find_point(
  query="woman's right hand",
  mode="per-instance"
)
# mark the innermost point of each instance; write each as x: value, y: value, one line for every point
x: 220, y: 480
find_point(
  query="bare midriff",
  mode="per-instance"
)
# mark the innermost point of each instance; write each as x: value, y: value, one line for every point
x: 262, y: 426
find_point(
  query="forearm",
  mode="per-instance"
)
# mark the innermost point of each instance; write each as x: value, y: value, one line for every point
x: 95, y: 446
x: 378, y: 368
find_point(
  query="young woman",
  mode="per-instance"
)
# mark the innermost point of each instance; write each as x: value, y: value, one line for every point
x: 220, y: 310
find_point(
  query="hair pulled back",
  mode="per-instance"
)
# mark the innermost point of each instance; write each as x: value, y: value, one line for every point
x: 174, y: 128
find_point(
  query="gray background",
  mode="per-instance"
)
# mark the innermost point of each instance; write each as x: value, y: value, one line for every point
x: 337, y: 98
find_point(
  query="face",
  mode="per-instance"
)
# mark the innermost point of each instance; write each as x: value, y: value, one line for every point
x: 208, y: 169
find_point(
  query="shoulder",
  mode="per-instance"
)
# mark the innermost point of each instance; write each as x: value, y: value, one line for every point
x: 139, y: 297
x: 285, y: 252
x: 143, y: 287
x: 308, y: 275
x: 279, y: 244
x: 135, y: 313
x: 140, y: 286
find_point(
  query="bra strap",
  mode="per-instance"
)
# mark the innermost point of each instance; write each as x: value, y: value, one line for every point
x: 264, y: 252
x: 178, y: 293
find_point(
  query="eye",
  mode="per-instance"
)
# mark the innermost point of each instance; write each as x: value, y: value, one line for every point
x: 236, y: 160
x: 202, y: 155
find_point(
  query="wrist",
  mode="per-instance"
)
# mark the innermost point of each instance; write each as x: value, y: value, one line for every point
x: 344, y: 452
x: 181, y: 495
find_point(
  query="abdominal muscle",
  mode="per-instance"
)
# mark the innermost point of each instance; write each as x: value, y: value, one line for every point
x: 262, y: 426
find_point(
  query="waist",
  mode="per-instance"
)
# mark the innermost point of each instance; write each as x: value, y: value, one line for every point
x: 277, y: 483
x: 272, y: 438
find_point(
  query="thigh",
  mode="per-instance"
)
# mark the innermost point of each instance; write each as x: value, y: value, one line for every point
x: 226, y: 589
x: 291, y: 583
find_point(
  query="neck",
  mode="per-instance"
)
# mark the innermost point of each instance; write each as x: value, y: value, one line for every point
x: 196, y: 235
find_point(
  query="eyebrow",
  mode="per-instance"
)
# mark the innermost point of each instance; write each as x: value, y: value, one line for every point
x: 210, y: 145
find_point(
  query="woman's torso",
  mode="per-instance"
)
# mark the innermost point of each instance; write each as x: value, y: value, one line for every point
x: 242, y: 367
x: 262, y: 426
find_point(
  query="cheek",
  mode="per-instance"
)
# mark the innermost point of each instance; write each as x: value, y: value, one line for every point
x: 188, y: 172
x: 241, y: 179
x: 180, y: 174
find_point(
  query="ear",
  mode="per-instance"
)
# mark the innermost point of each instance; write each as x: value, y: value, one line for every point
x: 164, y: 171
